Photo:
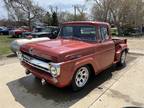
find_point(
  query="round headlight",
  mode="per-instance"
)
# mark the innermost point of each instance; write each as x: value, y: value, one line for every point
x: 53, y: 71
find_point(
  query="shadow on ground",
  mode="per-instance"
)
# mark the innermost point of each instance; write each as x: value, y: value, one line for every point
x: 11, y: 55
x: 31, y: 94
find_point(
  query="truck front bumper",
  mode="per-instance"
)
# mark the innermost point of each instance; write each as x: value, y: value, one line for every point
x: 60, y: 81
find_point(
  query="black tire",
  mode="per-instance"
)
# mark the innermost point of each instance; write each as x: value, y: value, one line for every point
x: 75, y: 85
x: 122, y: 61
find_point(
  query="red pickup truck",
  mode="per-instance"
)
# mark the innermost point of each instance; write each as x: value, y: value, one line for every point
x: 82, y: 48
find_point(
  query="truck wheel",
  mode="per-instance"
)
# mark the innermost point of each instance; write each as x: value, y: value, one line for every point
x: 122, y: 59
x: 80, y: 78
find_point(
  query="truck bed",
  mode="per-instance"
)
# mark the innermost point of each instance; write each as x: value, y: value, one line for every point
x: 119, y: 41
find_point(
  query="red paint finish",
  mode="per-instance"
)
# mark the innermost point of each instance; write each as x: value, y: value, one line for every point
x: 72, y: 54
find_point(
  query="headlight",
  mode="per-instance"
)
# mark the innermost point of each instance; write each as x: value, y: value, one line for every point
x: 54, y: 69
x: 19, y: 55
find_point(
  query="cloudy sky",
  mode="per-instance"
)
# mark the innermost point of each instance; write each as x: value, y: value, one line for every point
x: 64, y: 5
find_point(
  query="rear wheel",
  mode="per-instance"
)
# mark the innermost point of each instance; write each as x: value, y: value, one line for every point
x: 80, y: 78
x: 122, y: 61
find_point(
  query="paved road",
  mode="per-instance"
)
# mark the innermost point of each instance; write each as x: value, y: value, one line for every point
x: 18, y: 90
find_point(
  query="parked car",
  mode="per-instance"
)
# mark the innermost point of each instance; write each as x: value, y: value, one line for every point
x: 18, y: 32
x: 35, y: 30
x: 129, y: 31
x: 4, y: 30
x: 82, y: 49
x: 49, y: 31
x: 25, y: 34
x: 15, y: 45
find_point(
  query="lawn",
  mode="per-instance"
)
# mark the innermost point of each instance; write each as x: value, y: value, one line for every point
x: 5, y: 45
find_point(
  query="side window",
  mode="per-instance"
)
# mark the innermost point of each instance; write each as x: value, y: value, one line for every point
x: 103, y: 33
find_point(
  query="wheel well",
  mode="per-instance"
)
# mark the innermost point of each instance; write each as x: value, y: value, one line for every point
x: 126, y: 50
x: 91, y: 69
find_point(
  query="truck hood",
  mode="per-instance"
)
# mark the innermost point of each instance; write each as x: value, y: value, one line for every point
x: 59, y: 50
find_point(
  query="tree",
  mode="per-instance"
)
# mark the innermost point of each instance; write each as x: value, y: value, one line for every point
x: 122, y: 13
x: 101, y: 10
x: 54, y: 21
x: 47, y: 19
x: 81, y: 16
x: 19, y: 10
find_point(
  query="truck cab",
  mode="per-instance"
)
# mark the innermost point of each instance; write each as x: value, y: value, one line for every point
x: 82, y: 48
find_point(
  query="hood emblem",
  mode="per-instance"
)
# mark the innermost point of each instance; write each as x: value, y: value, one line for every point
x: 31, y: 51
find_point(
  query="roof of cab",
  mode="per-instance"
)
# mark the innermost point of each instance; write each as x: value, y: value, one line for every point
x: 87, y: 22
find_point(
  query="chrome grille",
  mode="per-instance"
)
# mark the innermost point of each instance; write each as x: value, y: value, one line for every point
x: 36, y: 63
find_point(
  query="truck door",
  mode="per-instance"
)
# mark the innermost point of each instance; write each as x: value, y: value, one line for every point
x: 105, y: 48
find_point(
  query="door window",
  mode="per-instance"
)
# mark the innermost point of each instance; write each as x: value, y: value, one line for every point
x: 103, y: 33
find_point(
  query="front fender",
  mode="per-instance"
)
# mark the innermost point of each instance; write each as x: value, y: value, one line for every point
x: 84, y: 62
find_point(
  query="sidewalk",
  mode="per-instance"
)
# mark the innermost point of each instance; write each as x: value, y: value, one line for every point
x: 128, y: 91
x: 122, y: 91
x: 136, y: 46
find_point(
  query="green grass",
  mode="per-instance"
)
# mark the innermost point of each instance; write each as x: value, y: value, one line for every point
x: 5, y: 45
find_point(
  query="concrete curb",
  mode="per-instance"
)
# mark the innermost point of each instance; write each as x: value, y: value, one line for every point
x: 136, y: 52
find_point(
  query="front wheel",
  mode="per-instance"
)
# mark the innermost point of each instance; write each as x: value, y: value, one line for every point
x: 122, y: 59
x: 80, y: 78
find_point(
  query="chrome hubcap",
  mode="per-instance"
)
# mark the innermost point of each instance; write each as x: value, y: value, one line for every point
x: 123, y: 57
x: 82, y: 76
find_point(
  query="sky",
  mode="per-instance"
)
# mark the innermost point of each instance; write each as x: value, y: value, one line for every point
x: 3, y: 12
x: 63, y: 5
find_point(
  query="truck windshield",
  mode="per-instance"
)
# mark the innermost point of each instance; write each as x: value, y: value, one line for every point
x: 85, y: 33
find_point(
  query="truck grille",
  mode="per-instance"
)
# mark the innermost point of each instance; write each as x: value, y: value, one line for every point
x: 34, y: 62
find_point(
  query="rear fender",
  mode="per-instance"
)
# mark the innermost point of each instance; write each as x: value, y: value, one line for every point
x: 122, y: 47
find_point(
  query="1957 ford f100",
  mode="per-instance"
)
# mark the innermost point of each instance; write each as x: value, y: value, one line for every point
x: 82, y: 48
